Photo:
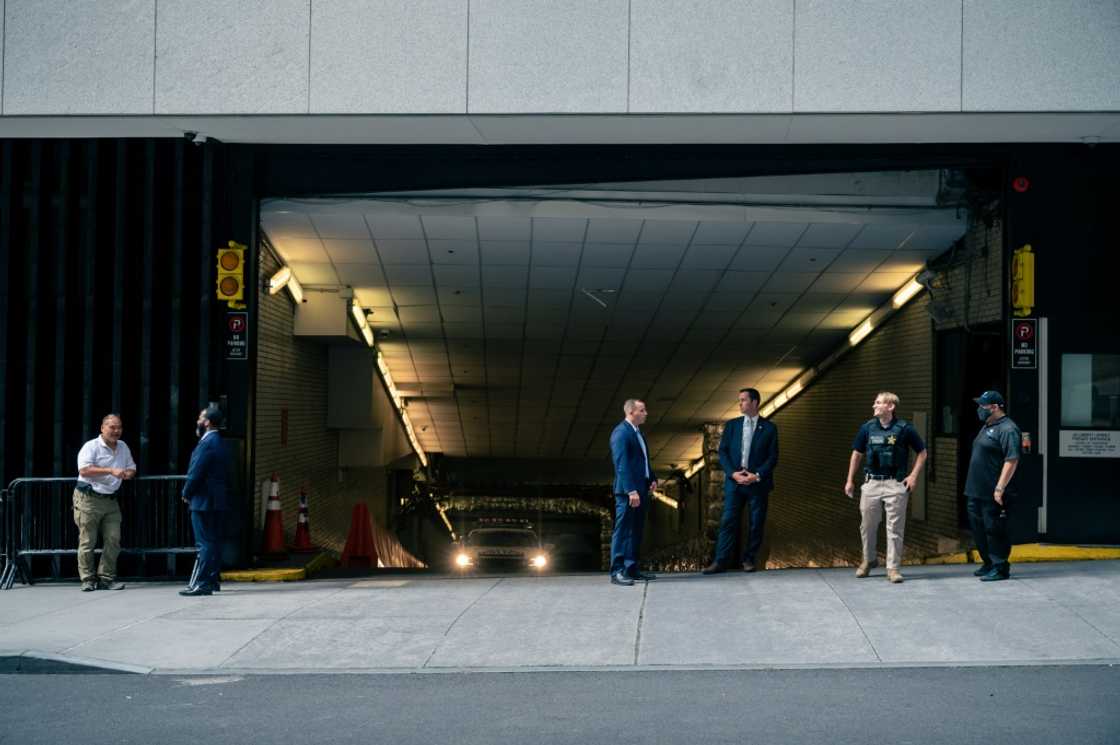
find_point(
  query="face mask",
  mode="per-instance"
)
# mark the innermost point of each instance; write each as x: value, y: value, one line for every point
x: 983, y: 413
x: 200, y: 430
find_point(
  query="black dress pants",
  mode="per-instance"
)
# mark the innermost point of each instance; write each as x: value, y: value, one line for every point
x: 989, y: 530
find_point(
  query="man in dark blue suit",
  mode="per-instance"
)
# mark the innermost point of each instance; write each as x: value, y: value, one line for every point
x: 633, y: 482
x: 205, y: 492
x: 748, y: 454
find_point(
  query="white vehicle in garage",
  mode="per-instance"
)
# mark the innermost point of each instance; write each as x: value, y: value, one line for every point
x: 508, y: 548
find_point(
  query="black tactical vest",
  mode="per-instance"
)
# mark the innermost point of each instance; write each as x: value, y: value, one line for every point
x: 886, y: 451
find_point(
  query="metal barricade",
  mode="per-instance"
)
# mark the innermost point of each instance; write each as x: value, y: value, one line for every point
x: 36, y: 520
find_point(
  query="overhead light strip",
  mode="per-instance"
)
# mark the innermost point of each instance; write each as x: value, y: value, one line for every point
x: 398, y: 402
x: 901, y: 297
x: 284, y: 278
x: 360, y: 319
x: 694, y: 468
x: 442, y: 509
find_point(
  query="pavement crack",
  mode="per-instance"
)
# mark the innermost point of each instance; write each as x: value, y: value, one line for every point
x: 462, y: 613
x: 851, y: 613
x: 641, y: 619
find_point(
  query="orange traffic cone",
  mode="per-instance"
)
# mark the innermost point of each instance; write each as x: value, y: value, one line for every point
x: 359, y: 550
x: 274, y: 524
x: 303, y: 526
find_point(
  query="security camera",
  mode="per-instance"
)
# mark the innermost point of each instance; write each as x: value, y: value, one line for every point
x: 195, y: 137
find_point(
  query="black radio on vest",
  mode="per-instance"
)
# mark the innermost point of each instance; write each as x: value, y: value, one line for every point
x: 886, y: 450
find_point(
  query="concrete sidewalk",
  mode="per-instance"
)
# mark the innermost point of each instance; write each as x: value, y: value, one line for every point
x: 941, y: 615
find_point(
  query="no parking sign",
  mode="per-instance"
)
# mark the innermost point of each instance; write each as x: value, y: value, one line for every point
x: 237, y: 336
x: 1024, y: 343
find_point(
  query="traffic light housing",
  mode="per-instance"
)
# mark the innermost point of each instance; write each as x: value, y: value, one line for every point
x: 1022, y: 280
x: 231, y: 274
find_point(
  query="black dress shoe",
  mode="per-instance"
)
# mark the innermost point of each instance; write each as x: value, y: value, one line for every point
x: 194, y: 592
x: 748, y: 566
x: 995, y: 576
x: 714, y: 568
x: 643, y: 576
x: 984, y: 569
x: 621, y: 579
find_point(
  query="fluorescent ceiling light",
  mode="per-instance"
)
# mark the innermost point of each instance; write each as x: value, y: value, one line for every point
x: 398, y: 402
x: 363, y: 325
x: 284, y: 278
x: 359, y: 315
x: 664, y: 499
x: 860, y: 332
x: 694, y: 468
x: 909, y: 290
x: 279, y: 280
x: 443, y: 516
x: 295, y: 289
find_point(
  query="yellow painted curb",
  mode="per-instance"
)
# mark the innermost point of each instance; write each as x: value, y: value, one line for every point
x: 1033, y: 552
x: 958, y: 558
x: 264, y: 575
x: 322, y: 561
x: 1050, y: 552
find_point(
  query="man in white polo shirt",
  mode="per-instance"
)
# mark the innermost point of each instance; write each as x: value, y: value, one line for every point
x: 103, y: 463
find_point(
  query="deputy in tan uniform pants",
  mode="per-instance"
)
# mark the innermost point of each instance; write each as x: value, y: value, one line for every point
x: 886, y: 485
x: 103, y: 464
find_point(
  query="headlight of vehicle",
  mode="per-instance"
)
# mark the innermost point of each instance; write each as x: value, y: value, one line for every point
x: 539, y: 561
x: 463, y: 559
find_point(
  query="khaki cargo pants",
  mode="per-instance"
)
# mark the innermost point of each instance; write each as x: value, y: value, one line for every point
x: 97, y: 515
x: 875, y: 497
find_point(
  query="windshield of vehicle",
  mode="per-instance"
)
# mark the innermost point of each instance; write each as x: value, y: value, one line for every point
x: 505, y: 538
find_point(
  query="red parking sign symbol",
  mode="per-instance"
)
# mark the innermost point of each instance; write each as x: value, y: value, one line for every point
x: 1024, y: 331
x: 237, y: 324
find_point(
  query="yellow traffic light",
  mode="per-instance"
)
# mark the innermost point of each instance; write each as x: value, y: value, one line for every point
x: 1022, y: 280
x: 231, y: 274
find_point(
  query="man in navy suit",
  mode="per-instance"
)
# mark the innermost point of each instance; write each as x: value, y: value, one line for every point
x: 205, y: 492
x: 633, y: 482
x: 748, y: 454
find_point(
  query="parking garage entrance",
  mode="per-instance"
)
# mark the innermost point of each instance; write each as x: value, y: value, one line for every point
x: 458, y: 354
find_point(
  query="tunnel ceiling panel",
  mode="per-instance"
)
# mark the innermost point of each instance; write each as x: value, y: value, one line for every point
x: 516, y: 321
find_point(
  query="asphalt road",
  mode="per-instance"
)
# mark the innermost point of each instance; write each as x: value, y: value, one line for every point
x: 1012, y: 705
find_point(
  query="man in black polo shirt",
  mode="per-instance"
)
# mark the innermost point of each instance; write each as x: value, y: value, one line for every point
x: 887, y: 442
x: 995, y: 456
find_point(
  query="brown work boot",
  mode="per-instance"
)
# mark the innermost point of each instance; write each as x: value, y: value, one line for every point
x: 865, y: 568
x: 894, y: 576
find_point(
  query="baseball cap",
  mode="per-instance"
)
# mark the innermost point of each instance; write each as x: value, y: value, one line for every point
x: 991, y: 397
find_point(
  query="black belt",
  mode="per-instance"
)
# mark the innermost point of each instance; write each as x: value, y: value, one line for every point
x: 877, y: 477
x: 89, y: 492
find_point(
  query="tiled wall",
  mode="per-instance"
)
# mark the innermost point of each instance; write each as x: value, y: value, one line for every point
x: 292, y: 375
